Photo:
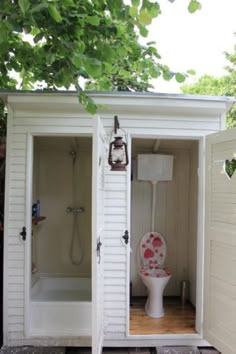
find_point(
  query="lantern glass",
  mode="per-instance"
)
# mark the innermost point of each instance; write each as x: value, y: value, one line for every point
x: 118, y: 154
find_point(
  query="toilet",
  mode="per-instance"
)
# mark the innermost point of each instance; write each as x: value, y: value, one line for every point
x: 154, y: 276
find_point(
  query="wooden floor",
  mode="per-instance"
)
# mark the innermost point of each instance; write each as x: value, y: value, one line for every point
x: 177, y: 319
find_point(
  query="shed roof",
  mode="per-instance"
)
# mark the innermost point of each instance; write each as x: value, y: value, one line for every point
x: 120, y: 102
x: 179, y: 96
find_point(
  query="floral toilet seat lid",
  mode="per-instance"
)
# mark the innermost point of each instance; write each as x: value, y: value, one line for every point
x: 152, y: 250
x: 155, y: 272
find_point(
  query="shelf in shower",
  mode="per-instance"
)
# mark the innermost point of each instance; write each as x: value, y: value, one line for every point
x: 36, y: 220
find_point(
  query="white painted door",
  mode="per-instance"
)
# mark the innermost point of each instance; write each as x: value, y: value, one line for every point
x: 220, y: 243
x: 99, y: 155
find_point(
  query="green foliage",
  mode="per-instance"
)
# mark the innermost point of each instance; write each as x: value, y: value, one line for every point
x: 193, y: 6
x: 207, y: 85
x: 219, y: 86
x: 58, y: 43
x: 230, y: 167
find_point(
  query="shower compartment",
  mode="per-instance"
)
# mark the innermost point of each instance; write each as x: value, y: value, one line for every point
x: 61, y: 236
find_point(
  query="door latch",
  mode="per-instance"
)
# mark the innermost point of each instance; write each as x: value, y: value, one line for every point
x: 126, y: 237
x: 23, y: 233
x: 99, y: 244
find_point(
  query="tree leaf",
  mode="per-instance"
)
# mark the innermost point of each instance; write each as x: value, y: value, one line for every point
x: 179, y: 77
x: 193, y: 6
x: 108, y: 53
x: 93, y: 67
x: 24, y: 5
x: 167, y: 74
x: 133, y: 11
x: 144, y: 17
x: 39, y: 8
x: 77, y: 61
x: 135, y: 2
x: 191, y: 72
x: 93, y: 20
x: 4, y: 33
x: 54, y: 13
x: 68, y: 2
x: 91, y: 106
x: 155, y: 72
x: 143, y: 31
x: 154, y: 9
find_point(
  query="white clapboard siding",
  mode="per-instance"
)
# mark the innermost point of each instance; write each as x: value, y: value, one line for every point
x: 14, y: 290
x: 15, y: 279
x: 15, y: 304
x: 14, y: 311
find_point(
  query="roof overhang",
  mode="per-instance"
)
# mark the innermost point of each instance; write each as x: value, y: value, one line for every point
x: 120, y: 102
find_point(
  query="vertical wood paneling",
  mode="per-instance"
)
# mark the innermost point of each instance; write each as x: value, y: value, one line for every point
x: 220, y: 244
x: 193, y: 218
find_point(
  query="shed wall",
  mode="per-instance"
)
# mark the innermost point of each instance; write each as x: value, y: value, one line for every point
x: 25, y: 120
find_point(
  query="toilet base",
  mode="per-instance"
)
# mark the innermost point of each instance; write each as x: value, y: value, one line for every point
x: 154, y: 311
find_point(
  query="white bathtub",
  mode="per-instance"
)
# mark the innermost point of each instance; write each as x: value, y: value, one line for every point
x: 61, y: 307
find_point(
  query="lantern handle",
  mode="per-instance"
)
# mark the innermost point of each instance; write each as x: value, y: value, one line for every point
x: 117, y: 127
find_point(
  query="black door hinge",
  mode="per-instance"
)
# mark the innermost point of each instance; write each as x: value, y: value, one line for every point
x: 126, y: 237
x: 23, y: 233
x: 99, y: 244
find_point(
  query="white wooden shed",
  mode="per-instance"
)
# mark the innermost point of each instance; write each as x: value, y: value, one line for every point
x: 58, y: 289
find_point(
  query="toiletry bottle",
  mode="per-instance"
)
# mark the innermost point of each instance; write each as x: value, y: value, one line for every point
x: 34, y: 210
x: 38, y: 208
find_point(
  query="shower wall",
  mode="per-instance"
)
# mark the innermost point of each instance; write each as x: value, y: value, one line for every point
x: 52, y: 185
x: 173, y: 218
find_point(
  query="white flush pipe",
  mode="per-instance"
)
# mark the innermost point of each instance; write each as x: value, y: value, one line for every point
x: 154, y: 183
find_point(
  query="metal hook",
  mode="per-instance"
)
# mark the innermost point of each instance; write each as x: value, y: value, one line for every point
x: 116, y: 124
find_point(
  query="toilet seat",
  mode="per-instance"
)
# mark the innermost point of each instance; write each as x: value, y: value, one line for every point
x: 155, y: 272
x: 152, y: 250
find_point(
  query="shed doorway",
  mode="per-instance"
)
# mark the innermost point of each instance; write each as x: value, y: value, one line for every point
x: 176, y: 219
x: 61, y: 276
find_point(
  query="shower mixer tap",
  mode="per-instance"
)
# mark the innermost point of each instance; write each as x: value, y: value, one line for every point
x: 74, y: 210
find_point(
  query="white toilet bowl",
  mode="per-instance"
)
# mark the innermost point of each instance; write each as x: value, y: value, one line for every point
x: 152, y: 273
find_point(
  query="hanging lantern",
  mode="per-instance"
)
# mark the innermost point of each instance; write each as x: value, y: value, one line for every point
x: 118, y: 152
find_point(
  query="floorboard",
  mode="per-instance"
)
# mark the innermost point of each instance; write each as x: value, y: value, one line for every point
x: 178, y: 319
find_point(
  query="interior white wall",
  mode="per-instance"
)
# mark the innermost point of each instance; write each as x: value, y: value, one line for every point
x: 53, y: 187
x: 172, y: 218
x: 193, y: 220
